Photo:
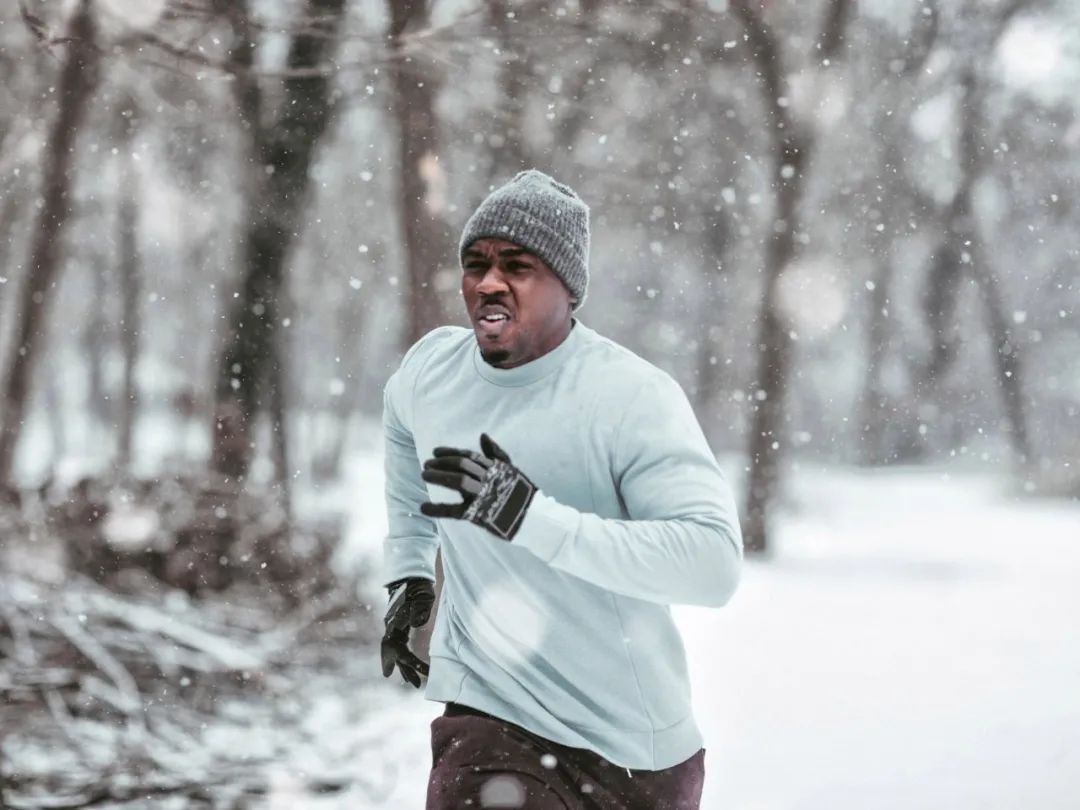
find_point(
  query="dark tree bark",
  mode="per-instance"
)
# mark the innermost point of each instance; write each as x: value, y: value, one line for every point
x: 8, y: 212
x: 280, y: 427
x: 129, y: 264
x: 428, y: 243
x: 1008, y: 363
x: 714, y: 305
x: 78, y: 78
x: 791, y: 149
x: 95, y: 339
x: 282, y: 153
x: 874, y: 403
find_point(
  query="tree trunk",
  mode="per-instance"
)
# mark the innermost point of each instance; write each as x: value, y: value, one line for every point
x: 1005, y: 347
x: 427, y: 240
x: 791, y: 158
x: 1008, y: 363
x: 713, y: 310
x: 279, y: 425
x: 78, y: 78
x: 95, y: 340
x: 773, y: 342
x: 130, y: 286
x: 874, y: 401
x: 8, y: 216
x: 283, y: 153
x: 962, y: 248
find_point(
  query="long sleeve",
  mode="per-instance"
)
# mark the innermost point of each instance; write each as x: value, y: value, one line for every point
x: 412, y: 539
x: 682, y: 543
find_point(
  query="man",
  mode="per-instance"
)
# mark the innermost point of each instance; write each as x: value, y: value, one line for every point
x: 574, y: 497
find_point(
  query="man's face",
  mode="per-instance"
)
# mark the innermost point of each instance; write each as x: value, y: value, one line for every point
x: 500, y: 278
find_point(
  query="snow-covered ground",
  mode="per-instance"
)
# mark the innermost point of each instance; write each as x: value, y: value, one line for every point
x: 911, y: 644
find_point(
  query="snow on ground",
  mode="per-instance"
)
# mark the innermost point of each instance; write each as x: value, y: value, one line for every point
x: 911, y: 644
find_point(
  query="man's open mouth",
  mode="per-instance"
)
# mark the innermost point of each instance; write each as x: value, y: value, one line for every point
x: 493, y: 325
x: 492, y: 319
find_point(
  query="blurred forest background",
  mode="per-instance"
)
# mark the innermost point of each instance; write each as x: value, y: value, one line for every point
x: 847, y: 227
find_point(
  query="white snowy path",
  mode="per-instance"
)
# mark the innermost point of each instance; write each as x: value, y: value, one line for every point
x: 912, y: 644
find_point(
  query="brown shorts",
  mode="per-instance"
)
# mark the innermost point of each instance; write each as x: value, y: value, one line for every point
x: 481, y: 761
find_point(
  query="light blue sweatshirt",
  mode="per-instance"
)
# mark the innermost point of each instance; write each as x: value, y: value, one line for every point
x: 567, y: 629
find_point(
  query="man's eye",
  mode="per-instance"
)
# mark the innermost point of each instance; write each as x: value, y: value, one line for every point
x: 516, y: 266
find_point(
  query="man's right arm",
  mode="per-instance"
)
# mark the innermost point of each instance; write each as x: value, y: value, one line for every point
x: 412, y: 539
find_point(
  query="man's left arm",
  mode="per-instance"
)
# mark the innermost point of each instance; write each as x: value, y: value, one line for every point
x: 682, y: 543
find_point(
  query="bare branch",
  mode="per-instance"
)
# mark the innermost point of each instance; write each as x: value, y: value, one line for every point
x: 129, y: 700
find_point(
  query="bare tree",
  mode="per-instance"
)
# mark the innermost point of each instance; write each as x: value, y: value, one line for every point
x: 8, y: 211
x: 95, y: 336
x: 78, y: 79
x: 884, y: 432
x: 427, y: 240
x: 282, y: 148
x: 961, y: 251
x: 129, y: 265
x: 791, y: 146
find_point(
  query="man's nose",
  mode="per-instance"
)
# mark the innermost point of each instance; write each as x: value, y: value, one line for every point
x: 492, y: 282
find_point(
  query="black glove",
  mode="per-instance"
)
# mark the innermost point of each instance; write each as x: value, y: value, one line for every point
x: 495, y: 493
x: 411, y: 601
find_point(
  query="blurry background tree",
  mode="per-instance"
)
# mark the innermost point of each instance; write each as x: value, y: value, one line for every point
x: 77, y: 81
x: 838, y: 241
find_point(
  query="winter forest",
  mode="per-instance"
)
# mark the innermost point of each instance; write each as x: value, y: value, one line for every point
x: 846, y: 227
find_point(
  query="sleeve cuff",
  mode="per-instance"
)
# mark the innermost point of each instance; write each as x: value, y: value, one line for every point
x: 406, y: 557
x: 547, y: 526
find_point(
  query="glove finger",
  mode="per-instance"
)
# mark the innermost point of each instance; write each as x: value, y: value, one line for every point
x: 408, y: 659
x: 480, y: 459
x: 410, y: 676
x: 491, y: 449
x: 394, y: 620
x: 458, y: 464
x: 450, y: 480
x: 440, y: 452
x: 389, y: 658
x: 443, y: 510
x: 464, y: 484
x: 449, y: 451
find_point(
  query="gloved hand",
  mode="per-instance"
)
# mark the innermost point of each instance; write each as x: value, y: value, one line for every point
x: 411, y: 601
x: 495, y: 493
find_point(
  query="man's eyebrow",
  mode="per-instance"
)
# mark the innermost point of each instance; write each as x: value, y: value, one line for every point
x: 511, y: 252
x: 472, y: 253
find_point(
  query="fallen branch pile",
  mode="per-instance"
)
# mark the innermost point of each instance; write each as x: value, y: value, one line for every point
x: 109, y: 698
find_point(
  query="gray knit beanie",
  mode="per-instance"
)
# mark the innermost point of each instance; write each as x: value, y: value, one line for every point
x: 543, y: 216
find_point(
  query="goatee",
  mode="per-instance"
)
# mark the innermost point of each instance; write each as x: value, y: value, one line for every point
x: 495, y: 357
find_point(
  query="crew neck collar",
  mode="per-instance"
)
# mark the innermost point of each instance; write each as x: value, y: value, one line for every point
x: 533, y: 370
